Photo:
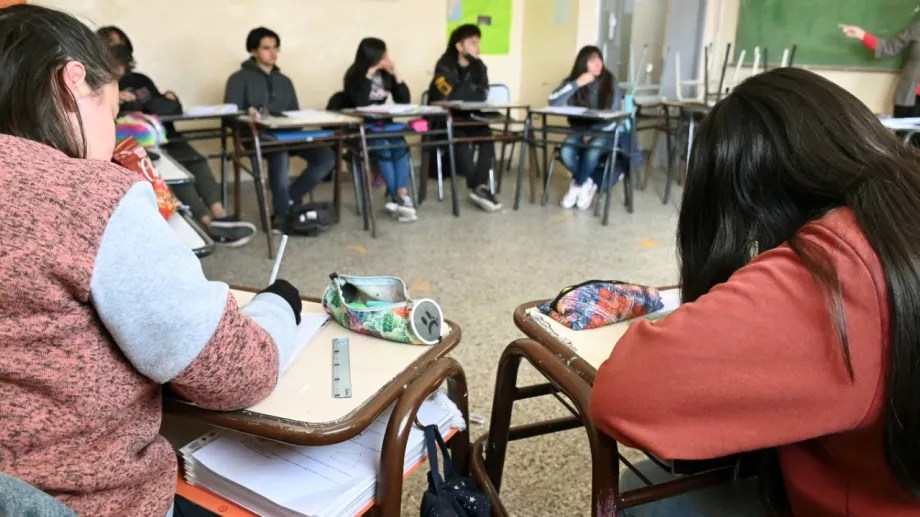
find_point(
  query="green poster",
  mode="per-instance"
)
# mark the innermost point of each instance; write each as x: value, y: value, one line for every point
x: 492, y: 16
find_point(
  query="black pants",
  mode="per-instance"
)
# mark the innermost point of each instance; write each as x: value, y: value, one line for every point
x: 204, y: 192
x: 907, y: 111
x: 476, y: 174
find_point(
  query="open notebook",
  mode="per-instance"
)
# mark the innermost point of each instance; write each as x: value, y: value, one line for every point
x: 272, y: 478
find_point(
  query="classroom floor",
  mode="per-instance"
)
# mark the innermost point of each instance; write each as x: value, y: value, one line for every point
x: 479, y: 268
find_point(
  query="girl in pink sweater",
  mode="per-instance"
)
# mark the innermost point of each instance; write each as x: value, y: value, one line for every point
x: 101, y: 304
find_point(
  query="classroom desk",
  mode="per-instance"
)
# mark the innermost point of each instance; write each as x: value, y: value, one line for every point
x: 302, y: 411
x: 203, y: 114
x: 430, y: 138
x: 618, y: 117
x: 255, y: 138
x: 503, y: 119
x: 172, y: 172
x: 568, y: 360
x: 192, y: 234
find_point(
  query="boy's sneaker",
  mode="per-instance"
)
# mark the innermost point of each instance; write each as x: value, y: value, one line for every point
x: 406, y: 208
x: 485, y: 199
x: 231, y: 232
x: 391, y: 206
x: 571, y: 196
x: 586, y: 196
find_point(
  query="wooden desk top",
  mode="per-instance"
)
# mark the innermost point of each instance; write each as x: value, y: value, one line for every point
x: 302, y: 410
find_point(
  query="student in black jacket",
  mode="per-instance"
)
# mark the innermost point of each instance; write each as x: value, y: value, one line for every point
x: 460, y: 75
x: 260, y: 88
x: 137, y: 92
x: 371, y: 79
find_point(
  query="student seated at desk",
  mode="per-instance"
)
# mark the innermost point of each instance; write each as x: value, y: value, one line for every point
x: 799, y: 332
x: 260, y: 88
x: 371, y: 79
x: 101, y: 303
x: 460, y: 75
x: 139, y: 93
x: 589, y: 85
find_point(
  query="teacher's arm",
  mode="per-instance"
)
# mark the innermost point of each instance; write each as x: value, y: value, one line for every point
x: 881, y: 46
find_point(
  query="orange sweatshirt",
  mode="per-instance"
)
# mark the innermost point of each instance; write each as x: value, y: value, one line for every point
x: 755, y: 364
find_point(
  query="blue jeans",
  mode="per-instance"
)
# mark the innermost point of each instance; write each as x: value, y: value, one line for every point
x: 736, y: 499
x: 320, y: 161
x: 393, y: 163
x: 585, y: 159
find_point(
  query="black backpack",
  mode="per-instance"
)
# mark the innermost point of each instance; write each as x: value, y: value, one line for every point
x: 310, y: 219
x: 452, y: 495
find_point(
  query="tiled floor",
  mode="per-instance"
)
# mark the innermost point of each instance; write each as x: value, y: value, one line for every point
x: 479, y: 267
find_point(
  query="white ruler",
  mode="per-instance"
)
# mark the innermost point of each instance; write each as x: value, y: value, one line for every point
x: 341, y: 369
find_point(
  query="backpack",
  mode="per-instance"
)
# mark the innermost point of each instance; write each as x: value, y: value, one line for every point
x: 310, y: 219
x: 450, y: 495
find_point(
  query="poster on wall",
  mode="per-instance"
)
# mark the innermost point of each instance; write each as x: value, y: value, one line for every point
x: 492, y: 16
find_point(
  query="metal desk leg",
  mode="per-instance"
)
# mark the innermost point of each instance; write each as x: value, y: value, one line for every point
x: 337, y: 192
x: 237, y: 165
x: 223, y: 162
x: 522, y: 158
x: 454, y: 196
x: 370, y: 223
x: 258, y: 174
x: 608, y: 178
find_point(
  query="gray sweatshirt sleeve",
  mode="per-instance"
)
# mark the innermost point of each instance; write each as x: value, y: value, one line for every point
x: 153, y: 298
x: 235, y: 92
x: 562, y: 94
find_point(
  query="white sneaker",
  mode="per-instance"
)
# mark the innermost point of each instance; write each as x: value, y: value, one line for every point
x: 586, y: 196
x: 391, y: 206
x: 406, y: 208
x: 571, y: 196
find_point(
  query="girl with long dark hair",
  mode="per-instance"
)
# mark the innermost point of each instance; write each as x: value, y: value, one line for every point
x: 799, y: 333
x: 371, y: 79
x: 589, y: 85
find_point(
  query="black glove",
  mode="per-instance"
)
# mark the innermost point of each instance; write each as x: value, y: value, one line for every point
x: 284, y: 289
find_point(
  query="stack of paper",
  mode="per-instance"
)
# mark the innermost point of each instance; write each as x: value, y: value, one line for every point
x: 272, y: 478
x: 218, y: 109
x: 901, y: 124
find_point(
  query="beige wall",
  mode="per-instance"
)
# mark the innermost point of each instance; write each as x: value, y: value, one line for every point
x: 549, y: 48
x: 874, y: 88
x: 319, y: 38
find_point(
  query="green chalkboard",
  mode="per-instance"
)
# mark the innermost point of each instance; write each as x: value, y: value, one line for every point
x: 812, y: 26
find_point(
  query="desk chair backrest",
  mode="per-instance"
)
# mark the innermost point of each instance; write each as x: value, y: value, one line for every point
x: 499, y: 93
x: 338, y: 102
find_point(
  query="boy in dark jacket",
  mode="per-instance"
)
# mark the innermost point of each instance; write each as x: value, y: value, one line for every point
x: 260, y: 88
x: 137, y: 92
x: 460, y: 75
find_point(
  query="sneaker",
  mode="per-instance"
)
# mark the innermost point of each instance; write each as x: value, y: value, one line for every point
x: 406, y: 208
x: 485, y: 199
x: 586, y: 196
x: 391, y: 206
x: 231, y: 232
x: 571, y: 196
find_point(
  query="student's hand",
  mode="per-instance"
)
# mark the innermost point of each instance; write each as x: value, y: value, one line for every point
x: 254, y: 114
x: 171, y: 95
x: 289, y: 293
x: 126, y: 96
x: 852, y: 31
x: 373, y: 70
x: 585, y: 78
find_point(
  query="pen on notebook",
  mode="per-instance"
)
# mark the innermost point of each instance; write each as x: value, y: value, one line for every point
x: 278, y: 257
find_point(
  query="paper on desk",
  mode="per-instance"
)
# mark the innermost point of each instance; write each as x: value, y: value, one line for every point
x: 310, y: 325
x: 329, y: 480
x: 564, y: 110
x: 216, y: 109
x: 389, y: 108
x: 901, y: 123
